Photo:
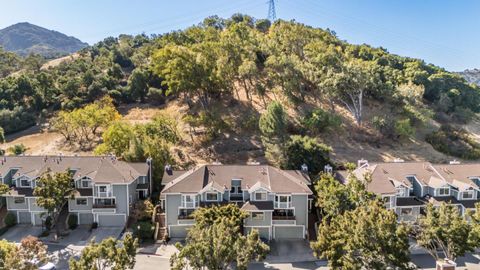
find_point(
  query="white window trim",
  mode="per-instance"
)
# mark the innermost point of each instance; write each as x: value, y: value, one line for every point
x: 472, y: 192
x: 21, y: 178
x: 260, y: 192
x: 211, y: 192
x: 19, y: 197
x: 437, y: 191
x: 251, y: 216
x: 288, y: 202
x: 236, y: 187
x: 184, y: 201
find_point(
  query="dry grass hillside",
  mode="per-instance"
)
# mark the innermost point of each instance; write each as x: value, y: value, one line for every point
x: 238, y: 144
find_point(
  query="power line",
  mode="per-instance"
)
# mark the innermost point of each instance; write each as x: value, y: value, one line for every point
x: 272, y: 15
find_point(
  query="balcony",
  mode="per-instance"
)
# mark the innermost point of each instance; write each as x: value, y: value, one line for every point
x: 99, y: 194
x: 282, y: 205
x: 189, y: 204
x: 283, y: 215
x: 185, y: 214
x: 104, y: 203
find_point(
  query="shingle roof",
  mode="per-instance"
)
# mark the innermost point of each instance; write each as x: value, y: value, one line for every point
x: 258, y: 206
x: 100, y: 169
x: 278, y: 181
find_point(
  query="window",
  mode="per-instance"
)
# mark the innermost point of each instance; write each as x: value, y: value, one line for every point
x: 212, y: 196
x: 81, y: 201
x: 260, y: 196
x: 102, y: 189
x: 189, y: 201
x: 443, y: 191
x: 236, y: 186
x: 24, y: 182
x: 467, y: 195
x: 257, y: 215
x: 402, y: 192
x: 406, y: 211
x: 105, y: 202
x: 283, y: 201
x: 85, y: 184
x: 19, y: 200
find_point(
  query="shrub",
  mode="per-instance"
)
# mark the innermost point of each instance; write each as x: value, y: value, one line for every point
x: 144, y: 230
x: 155, y: 96
x: 404, y: 129
x: 17, y: 149
x: 306, y: 150
x: 72, y: 221
x: 318, y: 121
x: 10, y: 219
x: 144, y: 210
x: 455, y: 142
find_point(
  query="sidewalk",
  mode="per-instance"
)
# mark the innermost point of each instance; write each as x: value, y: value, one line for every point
x: 160, y: 250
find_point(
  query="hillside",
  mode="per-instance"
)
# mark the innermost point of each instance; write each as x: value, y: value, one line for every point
x: 216, y: 80
x: 471, y: 75
x: 25, y: 38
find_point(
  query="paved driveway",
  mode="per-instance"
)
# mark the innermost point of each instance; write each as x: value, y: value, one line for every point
x: 292, y: 250
x: 17, y: 232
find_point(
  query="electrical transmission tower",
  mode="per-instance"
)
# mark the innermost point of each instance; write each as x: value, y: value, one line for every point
x: 272, y: 16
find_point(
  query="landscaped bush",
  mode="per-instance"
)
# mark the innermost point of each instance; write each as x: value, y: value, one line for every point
x: 144, y: 230
x: 10, y: 219
x: 72, y: 221
x: 455, y: 142
x: 318, y: 121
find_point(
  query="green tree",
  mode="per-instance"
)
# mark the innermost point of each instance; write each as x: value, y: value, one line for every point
x: 108, y: 254
x: 25, y: 256
x: 272, y: 126
x: 53, y: 191
x: 138, y: 84
x: 306, y: 150
x: 216, y: 241
x: 368, y: 237
x: 116, y: 139
x: 443, y: 230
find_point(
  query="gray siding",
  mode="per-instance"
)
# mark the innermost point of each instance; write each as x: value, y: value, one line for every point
x: 16, y: 206
x: 74, y: 207
x: 288, y: 232
x: 178, y: 231
x: 121, y: 199
x: 24, y: 218
x: 172, y: 203
x: 85, y: 218
x: 106, y: 220
x: 301, y: 209
x: 132, y: 192
x: 417, y: 189
x: 33, y: 205
x: 267, y: 221
x: 263, y: 232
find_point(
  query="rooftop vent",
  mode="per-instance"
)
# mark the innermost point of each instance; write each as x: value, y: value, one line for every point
x: 304, y: 168
x: 216, y: 162
x: 328, y: 169
x: 168, y: 169
x: 362, y: 162
x: 454, y: 162
x: 398, y: 160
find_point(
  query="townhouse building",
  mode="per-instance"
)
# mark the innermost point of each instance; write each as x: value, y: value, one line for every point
x: 278, y: 201
x: 105, y: 188
x: 407, y: 187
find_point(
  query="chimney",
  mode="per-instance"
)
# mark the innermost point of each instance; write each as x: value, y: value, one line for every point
x: 362, y: 162
x: 454, y: 162
x: 328, y: 169
x: 304, y: 168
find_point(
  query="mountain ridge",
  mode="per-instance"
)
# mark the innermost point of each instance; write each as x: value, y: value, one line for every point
x: 25, y: 38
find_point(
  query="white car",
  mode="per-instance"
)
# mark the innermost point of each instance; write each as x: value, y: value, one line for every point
x: 48, y: 266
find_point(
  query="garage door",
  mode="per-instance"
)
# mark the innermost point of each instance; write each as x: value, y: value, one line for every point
x: 24, y: 218
x: 178, y: 231
x: 263, y: 232
x: 39, y: 217
x: 85, y: 218
x: 288, y: 232
x: 111, y: 220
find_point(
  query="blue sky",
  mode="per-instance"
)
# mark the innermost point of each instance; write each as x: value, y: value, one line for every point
x: 443, y: 32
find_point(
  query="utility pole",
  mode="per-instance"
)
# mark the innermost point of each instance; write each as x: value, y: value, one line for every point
x: 272, y: 16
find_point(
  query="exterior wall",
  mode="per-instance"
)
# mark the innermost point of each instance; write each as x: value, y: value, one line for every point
x: 11, y: 205
x: 132, y: 194
x: 267, y: 220
x: 412, y: 217
x: 172, y: 202
x: 246, y: 195
x: 417, y: 189
x: 73, y: 207
x: 121, y: 199
x: 300, y: 202
x: 24, y: 217
x: 226, y: 196
x: 85, y: 218
x: 111, y: 220
x: 178, y: 231
x: 32, y: 204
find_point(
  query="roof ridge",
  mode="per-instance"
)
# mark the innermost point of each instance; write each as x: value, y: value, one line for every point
x: 181, y: 177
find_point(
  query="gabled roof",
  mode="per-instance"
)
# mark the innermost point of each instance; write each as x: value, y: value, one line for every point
x: 271, y: 178
x: 101, y: 169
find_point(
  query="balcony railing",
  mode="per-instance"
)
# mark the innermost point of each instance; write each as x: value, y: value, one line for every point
x: 283, y: 205
x: 189, y: 204
x: 275, y: 217
x: 185, y: 217
x: 96, y: 205
x: 104, y: 203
